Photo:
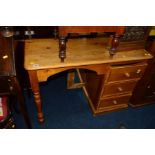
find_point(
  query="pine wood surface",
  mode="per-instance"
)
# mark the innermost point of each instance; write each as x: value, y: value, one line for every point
x: 126, y: 72
x: 42, y: 60
x: 118, y: 88
x: 121, y: 100
x: 43, y: 53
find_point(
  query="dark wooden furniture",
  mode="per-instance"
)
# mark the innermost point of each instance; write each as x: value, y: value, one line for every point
x: 65, y: 30
x: 109, y: 81
x: 144, y: 93
x: 28, y: 32
x: 9, y: 84
x: 123, y: 38
x: 134, y: 37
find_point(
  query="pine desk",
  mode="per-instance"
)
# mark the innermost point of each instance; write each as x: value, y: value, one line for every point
x: 110, y: 85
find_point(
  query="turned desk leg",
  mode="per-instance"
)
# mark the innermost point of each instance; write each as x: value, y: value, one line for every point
x: 62, y: 48
x: 114, y: 44
x: 36, y: 93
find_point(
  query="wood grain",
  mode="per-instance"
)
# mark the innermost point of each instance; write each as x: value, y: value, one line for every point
x: 43, y: 53
x: 101, y: 69
x: 118, y: 88
x: 126, y: 72
x: 121, y: 100
x: 64, y: 30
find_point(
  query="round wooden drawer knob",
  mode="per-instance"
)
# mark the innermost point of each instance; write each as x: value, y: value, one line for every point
x: 114, y: 102
x: 9, y: 80
x: 120, y: 89
x: 127, y: 74
x: 11, y: 88
x: 138, y: 71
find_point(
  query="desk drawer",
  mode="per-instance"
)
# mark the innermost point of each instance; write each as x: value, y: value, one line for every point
x: 119, y: 88
x: 115, y: 101
x: 4, y: 85
x: 126, y: 72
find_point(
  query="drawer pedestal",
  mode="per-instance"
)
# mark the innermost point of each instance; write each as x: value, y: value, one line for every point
x: 113, y: 90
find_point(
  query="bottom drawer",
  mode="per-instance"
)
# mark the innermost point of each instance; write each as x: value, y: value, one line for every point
x: 114, y: 101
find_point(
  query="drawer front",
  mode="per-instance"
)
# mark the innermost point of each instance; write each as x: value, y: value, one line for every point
x: 126, y: 72
x: 4, y: 85
x: 124, y: 99
x: 119, y: 88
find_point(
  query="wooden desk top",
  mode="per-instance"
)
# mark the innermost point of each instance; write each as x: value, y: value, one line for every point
x: 43, y: 53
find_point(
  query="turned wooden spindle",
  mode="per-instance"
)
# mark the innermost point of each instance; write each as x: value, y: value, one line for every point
x: 36, y: 94
x: 65, y: 30
x: 62, y: 48
x: 39, y: 106
x: 114, y: 44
